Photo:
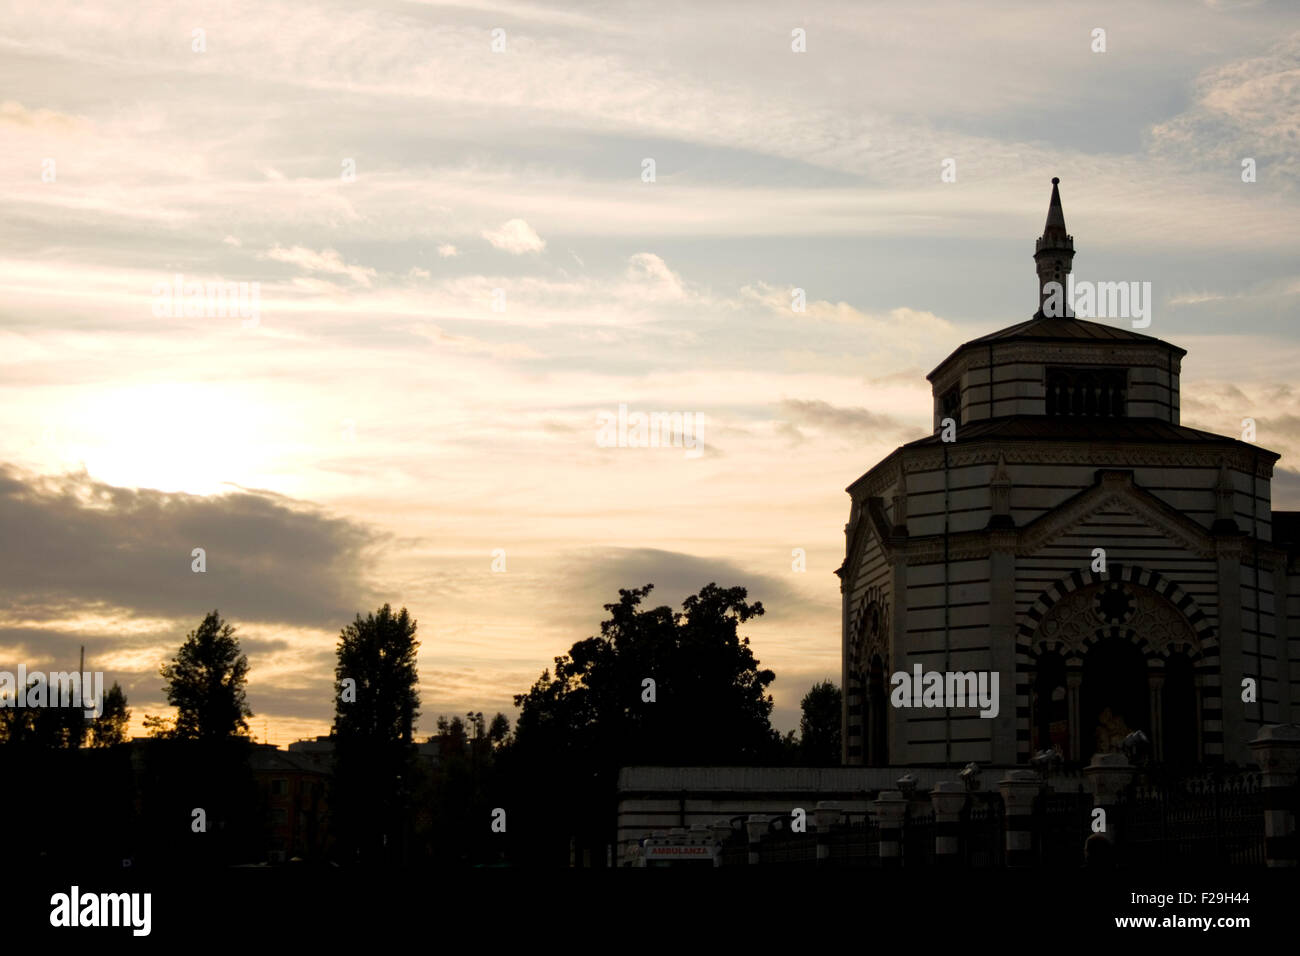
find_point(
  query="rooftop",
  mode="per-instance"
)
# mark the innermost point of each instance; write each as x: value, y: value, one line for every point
x: 1037, y: 428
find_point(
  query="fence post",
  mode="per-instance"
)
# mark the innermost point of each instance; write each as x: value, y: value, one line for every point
x: 1108, y: 775
x: 721, y: 830
x: 890, y: 808
x: 1019, y: 787
x: 756, y: 828
x: 1277, y: 751
x: 948, y: 798
x: 825, y: 816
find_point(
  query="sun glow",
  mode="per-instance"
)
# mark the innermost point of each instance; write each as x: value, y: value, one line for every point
x: 192, y: 438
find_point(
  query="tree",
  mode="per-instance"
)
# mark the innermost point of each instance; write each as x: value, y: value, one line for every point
x: 819, y: 727
x: 499, y: 731
x: 42, y: 721
x: 656, y: 687
x: 376, y: 702
x: 378, y: 655
x: 109, y: 727
x: 206, y: 684
x: 453, y: 736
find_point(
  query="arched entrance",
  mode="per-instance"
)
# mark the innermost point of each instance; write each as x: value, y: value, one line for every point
x: 1112, y: 653
x: 1115, y: 696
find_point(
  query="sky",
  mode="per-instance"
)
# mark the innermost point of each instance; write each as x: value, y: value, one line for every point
x: 477, y: 229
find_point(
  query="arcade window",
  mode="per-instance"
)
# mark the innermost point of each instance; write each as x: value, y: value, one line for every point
x: 1086, y: 392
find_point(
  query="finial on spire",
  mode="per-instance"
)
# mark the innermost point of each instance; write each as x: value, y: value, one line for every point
x: 1055, y: 227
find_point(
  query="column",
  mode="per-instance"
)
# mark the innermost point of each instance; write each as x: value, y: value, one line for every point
x: 1199, y: 680
x: 1226, y: 742
x: 1073, y: 689
x: 1156, y: 683
x: 1002, y: 638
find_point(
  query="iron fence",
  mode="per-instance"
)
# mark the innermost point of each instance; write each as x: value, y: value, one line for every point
x: 1204, y: 821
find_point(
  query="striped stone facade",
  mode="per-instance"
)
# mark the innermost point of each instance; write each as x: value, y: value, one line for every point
x: 1062, y: 529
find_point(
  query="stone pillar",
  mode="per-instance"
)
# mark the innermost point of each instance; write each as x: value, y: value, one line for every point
x: 1019, y: 788
x: 1277, y: 751
x: 948, y: 798
x: 1228, y: 718
x: 1155, y: 685
x: 900, y: 753
x: 890, y: 808
x: 1108, y: 776
x: 1286, y: 687
x: 1002, y: 637
x: 756, y: 829
x: 826, y: 815
x: 1073, y: 687
x: 1199, y: 693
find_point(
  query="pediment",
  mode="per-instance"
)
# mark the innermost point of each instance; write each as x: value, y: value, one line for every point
x: 1115, y: 491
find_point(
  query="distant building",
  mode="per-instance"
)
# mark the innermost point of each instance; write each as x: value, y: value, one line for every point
x: 321, y: 750
x: 292, y: 785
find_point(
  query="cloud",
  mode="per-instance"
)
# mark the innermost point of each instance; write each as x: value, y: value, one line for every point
x: 651, y: 272
x: 16, y: 114
x: 855, y: 422
x: 1246, y: 108
x: 87, y: 544
x: 327, y: 261
x: 515, y: 237
x: 448, y: 251
x: 596, y: 577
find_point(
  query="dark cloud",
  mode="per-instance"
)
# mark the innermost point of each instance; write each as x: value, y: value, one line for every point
x: 824, y: 416
x: 73, y: 542
x: 598, y: 576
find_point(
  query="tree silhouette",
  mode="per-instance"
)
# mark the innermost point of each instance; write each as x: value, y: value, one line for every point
x: 656, y: 687
x: 205, y: 683
x: 499, y: 730
x: 375, y: 706
x: 46, y: 725
x: 819, y: 727
x: 109, y: 727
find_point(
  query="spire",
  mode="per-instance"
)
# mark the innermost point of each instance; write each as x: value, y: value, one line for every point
x: 1053, y: 254
x: 1055, y: 227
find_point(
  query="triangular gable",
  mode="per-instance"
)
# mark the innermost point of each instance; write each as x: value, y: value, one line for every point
x: 1115, y: 488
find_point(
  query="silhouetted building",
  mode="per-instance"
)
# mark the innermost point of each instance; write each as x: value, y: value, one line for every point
x: 293, y: 788
x: 1061, y: 529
